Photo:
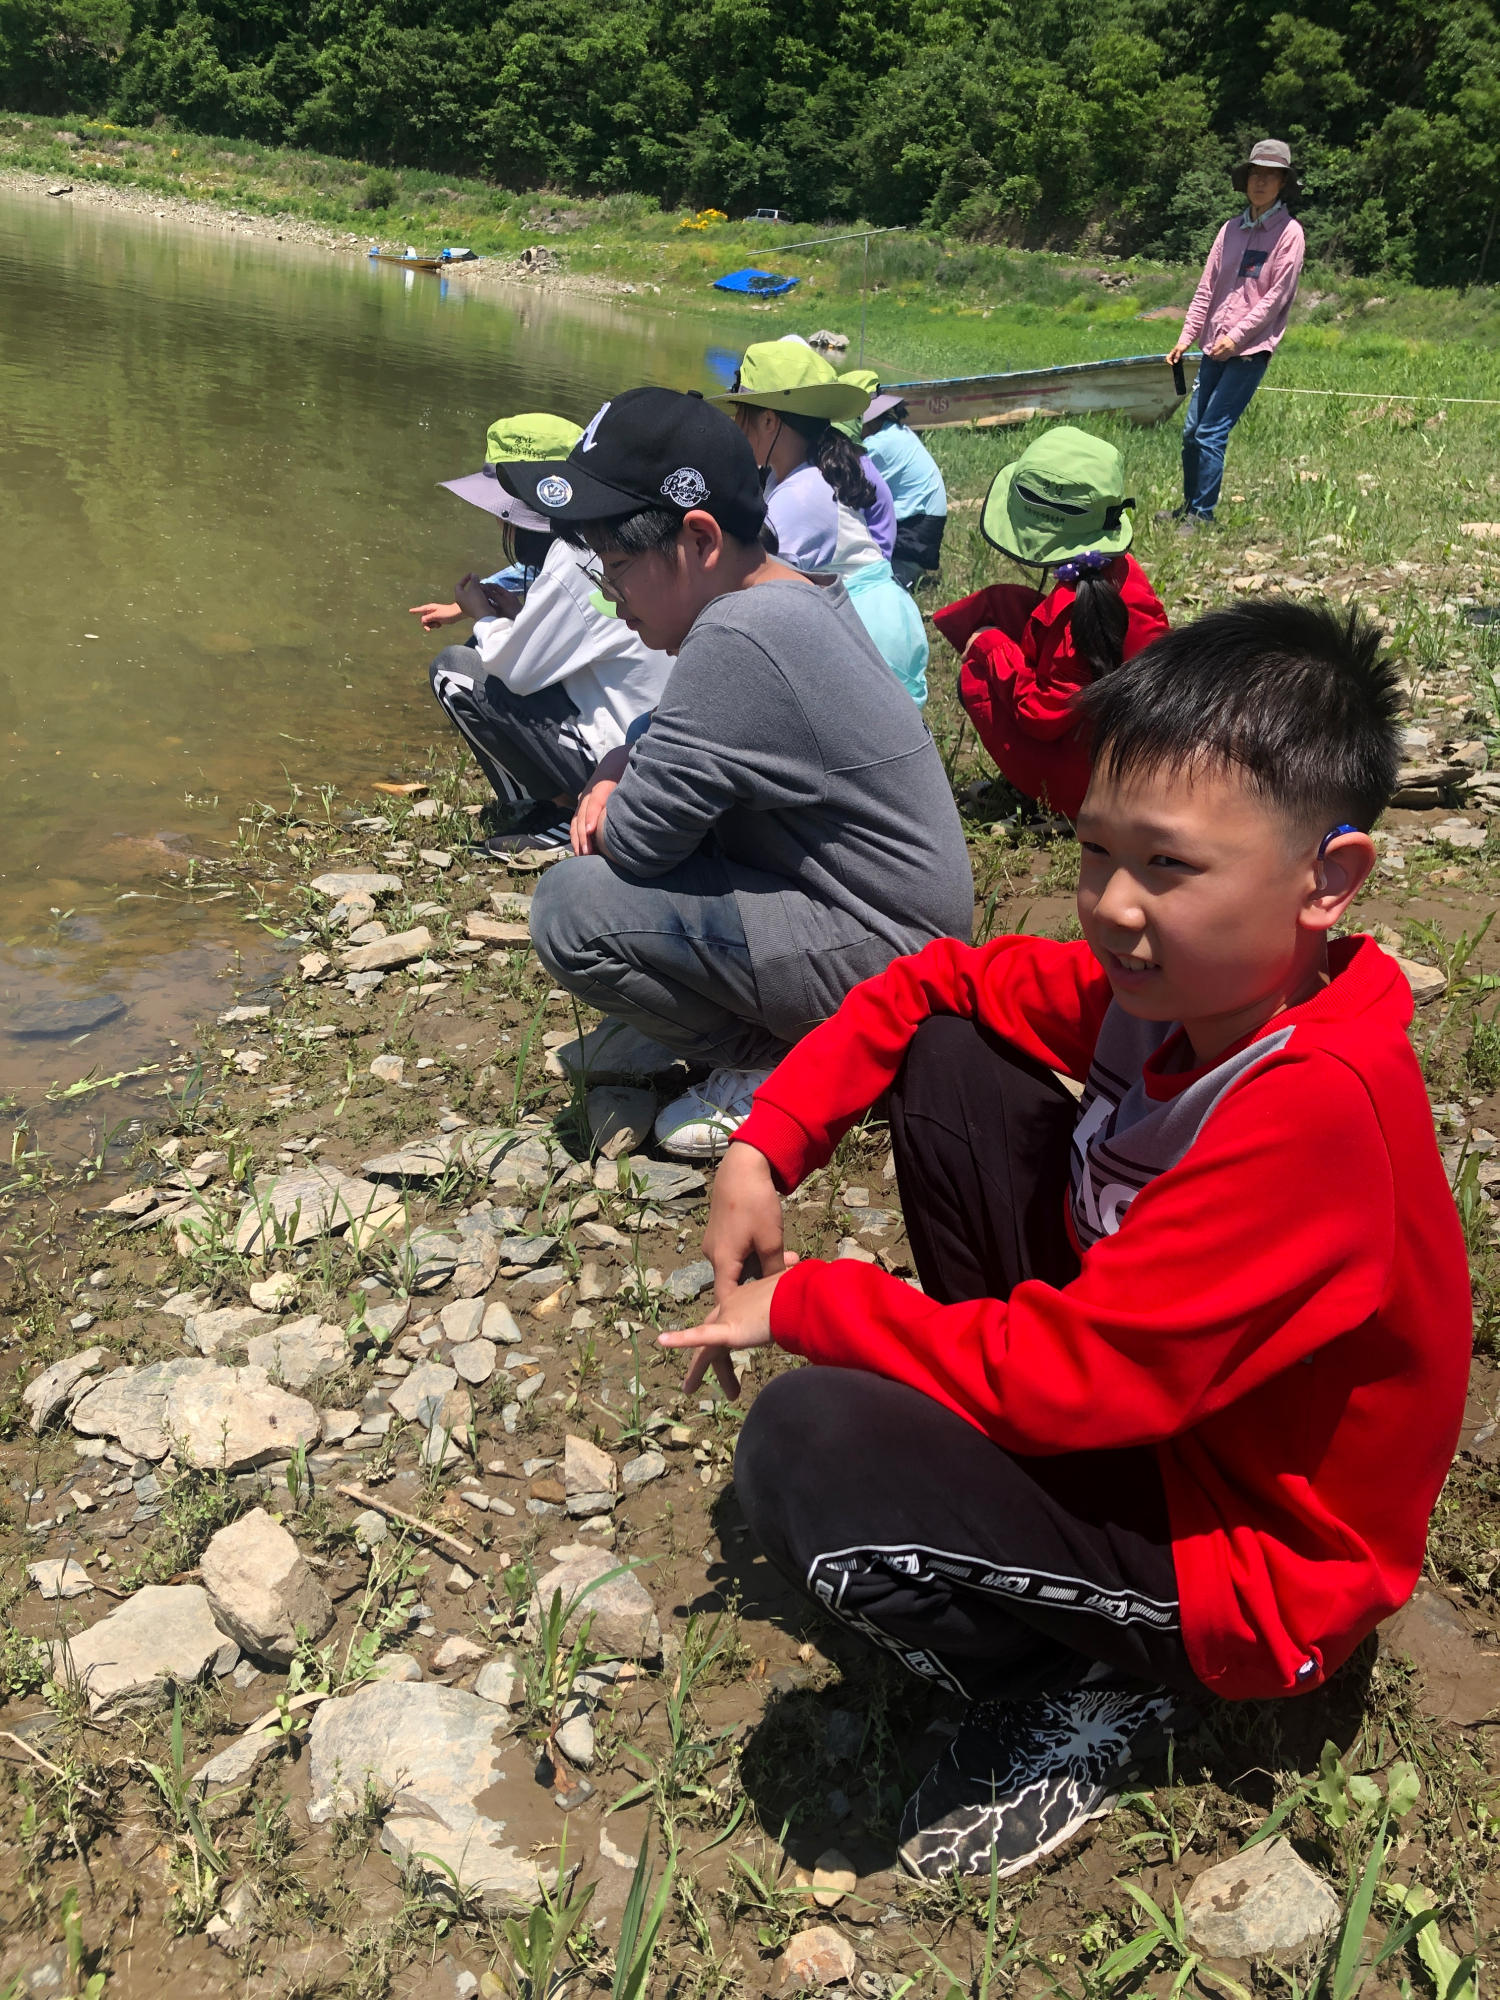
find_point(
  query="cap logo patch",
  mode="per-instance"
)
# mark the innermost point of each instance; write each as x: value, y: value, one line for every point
x: 553, y: 491
x: 686, y: 487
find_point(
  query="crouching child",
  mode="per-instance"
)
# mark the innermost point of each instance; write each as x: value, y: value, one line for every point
x: 1133, y: 1442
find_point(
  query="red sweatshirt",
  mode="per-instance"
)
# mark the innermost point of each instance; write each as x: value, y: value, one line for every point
x: 1021, y: 679
x: 1274, y: 1291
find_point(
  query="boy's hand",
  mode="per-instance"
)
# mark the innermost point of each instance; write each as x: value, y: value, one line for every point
x: 1223, y: 349
x: 1177, y: 352
x: 433, y: 615
x: 744, y: 1220
x: 486, y: 600
x: 588, y: 817
x: 744, y: 1322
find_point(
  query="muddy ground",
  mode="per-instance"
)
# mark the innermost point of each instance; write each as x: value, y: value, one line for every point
x: 792, y: 1741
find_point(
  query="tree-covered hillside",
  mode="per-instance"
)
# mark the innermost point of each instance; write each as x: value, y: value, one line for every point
x: 1041, y: 121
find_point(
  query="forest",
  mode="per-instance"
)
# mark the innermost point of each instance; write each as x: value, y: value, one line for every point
x: 1107, y: 127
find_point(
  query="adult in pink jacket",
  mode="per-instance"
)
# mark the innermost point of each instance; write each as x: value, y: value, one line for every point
x: 1238, y: 315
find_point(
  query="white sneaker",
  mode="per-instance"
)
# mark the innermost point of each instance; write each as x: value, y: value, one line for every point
x: 700, y: 1124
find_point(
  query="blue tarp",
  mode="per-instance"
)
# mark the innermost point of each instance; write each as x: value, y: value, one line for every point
x: 764, y: 284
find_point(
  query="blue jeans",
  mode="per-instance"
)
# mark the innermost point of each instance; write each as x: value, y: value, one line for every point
x: 1221, y: 396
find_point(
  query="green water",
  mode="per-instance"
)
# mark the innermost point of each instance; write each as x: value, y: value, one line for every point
x: 218, y: 462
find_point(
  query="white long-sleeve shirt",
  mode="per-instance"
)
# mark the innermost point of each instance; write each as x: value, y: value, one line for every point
x: 560, y: 635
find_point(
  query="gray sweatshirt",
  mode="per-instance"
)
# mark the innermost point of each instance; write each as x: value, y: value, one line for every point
x: 784, y: 739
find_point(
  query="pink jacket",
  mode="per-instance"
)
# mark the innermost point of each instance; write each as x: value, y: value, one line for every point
x: 1248, y: 283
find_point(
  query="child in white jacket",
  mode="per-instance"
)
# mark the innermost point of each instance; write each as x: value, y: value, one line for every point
x: 551, y: 679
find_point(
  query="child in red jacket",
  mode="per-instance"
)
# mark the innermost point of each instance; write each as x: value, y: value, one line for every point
x: 1132, y: 1438
x: 1027, y: 657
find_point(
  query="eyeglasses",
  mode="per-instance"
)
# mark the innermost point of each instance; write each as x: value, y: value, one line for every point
x: 594, y: 571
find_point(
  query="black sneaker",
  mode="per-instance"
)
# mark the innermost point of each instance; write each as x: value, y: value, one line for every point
x: 545, y: 830
x: 1023, y: 1777
x: 1170, y: 513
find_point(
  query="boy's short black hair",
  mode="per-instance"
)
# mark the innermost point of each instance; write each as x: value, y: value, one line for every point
x: 1297, y: 696
x: 648, y: 531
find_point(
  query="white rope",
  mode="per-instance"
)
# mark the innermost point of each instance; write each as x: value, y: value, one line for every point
x: 1384, y: 396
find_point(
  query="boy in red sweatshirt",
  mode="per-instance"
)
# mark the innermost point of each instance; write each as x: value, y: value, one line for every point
x: 1132, y: 1440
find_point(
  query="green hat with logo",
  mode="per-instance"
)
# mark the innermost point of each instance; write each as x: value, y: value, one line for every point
x: 513, y: 441
x: 869, y: 381
x: 520, y: 440
x: 787, y: 375
x: 1062, y: 497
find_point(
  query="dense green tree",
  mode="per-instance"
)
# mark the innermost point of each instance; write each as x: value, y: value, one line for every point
x: 1037, y: 121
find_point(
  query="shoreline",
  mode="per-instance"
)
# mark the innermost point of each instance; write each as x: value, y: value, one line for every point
x: 209, y: 217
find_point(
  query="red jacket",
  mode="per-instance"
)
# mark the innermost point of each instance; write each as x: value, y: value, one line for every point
x: 1274, y: 1291
x: 1021, y: 679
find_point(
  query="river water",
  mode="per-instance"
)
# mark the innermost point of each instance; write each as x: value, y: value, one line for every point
x: 218, y: 461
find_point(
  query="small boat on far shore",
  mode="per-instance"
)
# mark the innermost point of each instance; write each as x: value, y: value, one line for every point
x: 1144, y: 387
x: 412, y: 262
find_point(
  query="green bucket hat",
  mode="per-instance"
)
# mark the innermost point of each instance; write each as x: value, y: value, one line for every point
x: 787, y: 375
x: 1062, y: 497
x: 867, y: 380
x: 516, y: 439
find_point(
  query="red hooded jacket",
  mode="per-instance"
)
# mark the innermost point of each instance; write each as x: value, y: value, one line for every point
x: 1021, y: 678
x: 1273, y: 1294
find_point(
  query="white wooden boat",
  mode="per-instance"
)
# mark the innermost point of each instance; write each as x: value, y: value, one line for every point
x: 1143, y: 387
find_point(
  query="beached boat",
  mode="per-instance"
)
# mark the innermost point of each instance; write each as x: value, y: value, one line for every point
x: 407, y: 263
x: 1144, y: 387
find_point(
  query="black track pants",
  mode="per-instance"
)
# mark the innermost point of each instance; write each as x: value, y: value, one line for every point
x: 988, y: 1573
x: 528, y: 746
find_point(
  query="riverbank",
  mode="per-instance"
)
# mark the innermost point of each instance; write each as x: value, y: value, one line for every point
x: 364, y: 1200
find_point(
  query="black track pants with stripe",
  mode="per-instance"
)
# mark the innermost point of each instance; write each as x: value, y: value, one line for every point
x: 990, y: 1574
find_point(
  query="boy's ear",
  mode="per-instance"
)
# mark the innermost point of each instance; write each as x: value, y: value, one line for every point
x: 705, y: 536
x: 1339, y: 873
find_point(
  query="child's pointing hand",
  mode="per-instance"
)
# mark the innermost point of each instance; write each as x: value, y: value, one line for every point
x: 743, y: 1321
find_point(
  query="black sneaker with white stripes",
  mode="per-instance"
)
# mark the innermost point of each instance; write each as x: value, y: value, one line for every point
x: 1023, y: 1777
x: 545, y: 829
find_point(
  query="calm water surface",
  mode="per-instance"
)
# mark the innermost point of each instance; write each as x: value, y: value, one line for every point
x: 218, y: 462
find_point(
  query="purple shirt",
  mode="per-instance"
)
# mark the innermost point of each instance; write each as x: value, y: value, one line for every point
x: 880, y: 515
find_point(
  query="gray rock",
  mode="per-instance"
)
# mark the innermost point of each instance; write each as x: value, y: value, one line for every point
x: 369, y: 1528
x: 462, y: 1320
x: 45, y: 1396
x: 299, y: 1352
x: 396, y: 1667
x: 356, y: 882
x: 431, y: 1750
x: 546, y: 1278
x: 641, y: 1471
x: 527, y: 1250
x: 475, y: 1361
x: 427, y: 1162
x: 575, y: 1739
x: 44, y: 1019
x: 419, y: 1399
x: 624, y: 1618
x: 230, y: 1326
x: 593, y: 1283
x: 1267, y: 1899
x: 476, y: 1269
x: 388, y: 952
x: 389, y: 1318
x: 336, y: 1425
x: 500, y: 1326
x: 427, y: 1259
x: 360, y: 983
x: 234, y: 1419
x: 64, y: 1578
x: 664, y: 1180
x: 163, y: 1636
x: 131, y: 1405
x: 304, y: 1204
x: 690, y: 1281
x: 843, y: 1735
x: 233, y: 1766
x: 516, y: 1159
x: 620, y: 1119
x: 532, y: 1386
x: 589, y: 1478
x: 261, y: 1590
x: 499, y: 1681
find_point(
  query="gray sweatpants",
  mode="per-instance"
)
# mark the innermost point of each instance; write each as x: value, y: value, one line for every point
x: 667, y: 955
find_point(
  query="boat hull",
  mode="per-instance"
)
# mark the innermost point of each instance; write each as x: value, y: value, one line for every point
x: 1142, y: 387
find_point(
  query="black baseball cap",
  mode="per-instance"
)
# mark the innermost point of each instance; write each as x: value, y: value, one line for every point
x: 649, y: 448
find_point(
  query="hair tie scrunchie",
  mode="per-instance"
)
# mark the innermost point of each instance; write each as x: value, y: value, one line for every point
x: 1092, y: 559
